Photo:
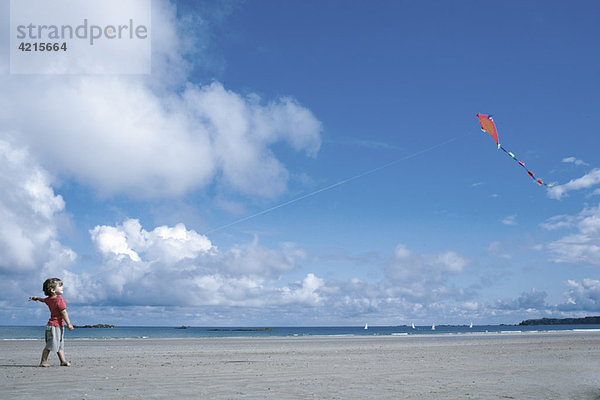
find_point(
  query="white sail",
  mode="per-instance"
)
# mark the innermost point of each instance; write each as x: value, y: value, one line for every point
x: 366, y: 326
x: 471, y: 326
x: 413, y: 325
x: 433, y: 327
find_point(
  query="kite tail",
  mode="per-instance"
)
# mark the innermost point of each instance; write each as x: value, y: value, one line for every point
x: 522, y: 164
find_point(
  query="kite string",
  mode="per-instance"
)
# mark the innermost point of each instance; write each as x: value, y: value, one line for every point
x: 334, y: 185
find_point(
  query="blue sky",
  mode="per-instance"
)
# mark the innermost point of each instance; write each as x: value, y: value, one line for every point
x: 207, y: 192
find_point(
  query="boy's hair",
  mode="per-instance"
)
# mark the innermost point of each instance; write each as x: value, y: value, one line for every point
x: 51, y: 284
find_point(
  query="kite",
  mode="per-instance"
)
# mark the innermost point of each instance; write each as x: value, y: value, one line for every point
x: 487, y: 125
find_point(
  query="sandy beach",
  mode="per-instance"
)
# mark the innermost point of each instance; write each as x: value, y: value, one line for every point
x: 509, y: 366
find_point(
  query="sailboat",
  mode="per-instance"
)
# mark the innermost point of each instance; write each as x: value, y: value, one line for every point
x: 366, y: 326
x: 471, y: 326
x: 433, y: 327
x: 413, y: 325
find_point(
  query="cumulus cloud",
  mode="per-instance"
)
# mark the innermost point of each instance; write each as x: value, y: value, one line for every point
x: 138, y: 269
x: 305, y: 292
x: 510, y: 220
x: 533, y: 300
x: 582, y: 296
x: 422, y: 276
x: 30, y: 212
x: 178, y: 266
x: 590, y: 179
x: 574, y: 160
x: 581, y: 247
x: 118, y: 136
x: 165, y: 244
x: 559, y: 222
x: 257, y: 261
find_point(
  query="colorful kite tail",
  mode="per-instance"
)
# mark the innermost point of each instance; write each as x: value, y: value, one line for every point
x: 522, y: 164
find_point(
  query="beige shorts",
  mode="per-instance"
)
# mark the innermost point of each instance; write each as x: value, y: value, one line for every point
x: 55, y: 338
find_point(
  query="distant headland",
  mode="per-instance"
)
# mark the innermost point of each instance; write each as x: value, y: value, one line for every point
x: 563, y: 321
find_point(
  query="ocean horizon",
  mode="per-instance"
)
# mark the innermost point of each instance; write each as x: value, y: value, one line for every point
x: 179, y: 332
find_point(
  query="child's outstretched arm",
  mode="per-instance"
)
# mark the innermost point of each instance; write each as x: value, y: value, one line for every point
x: 36, y: 298
x: 65, y: 316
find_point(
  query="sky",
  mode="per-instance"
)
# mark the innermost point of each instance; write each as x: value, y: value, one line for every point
x: 312, y: 163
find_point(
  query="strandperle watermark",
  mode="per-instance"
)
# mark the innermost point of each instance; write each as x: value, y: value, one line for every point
x: 80, y: 37
x: 33, y: 32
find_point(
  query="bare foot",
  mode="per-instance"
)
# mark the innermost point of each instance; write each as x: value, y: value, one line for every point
x: 44, y: 364
x: 65, y: 364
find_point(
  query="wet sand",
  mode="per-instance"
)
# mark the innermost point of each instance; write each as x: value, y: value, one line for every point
x: 485, y: 366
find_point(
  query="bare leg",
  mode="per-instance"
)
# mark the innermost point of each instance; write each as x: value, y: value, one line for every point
x: 44, y: 362
x: 63, y: 360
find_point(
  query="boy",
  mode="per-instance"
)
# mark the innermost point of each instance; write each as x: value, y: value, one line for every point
x: 53, y: 288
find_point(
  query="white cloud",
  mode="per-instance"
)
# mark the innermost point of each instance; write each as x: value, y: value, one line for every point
x: 582, y: 247
x: 112, y: 241
x: 255, y: 260
x: 171, y: 42
x: 533, y: 300
x: 422, y: 276
x: 242, y: 129
x: 497, y: 249
x: 30, y: 212
x: 582, y: 296
x: 165, y: 244
x: 559, y: 222
x: 305, y: 292
x: 249, y: 276
x: 177, y: 266
x: 574, y: 160
x: 401, y: 252
x: 576, y: 249
x: 590, y: 179
x: 118, y: 136
x: 510, y: 220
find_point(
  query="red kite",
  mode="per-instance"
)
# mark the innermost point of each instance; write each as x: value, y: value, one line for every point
x: 487, y: 125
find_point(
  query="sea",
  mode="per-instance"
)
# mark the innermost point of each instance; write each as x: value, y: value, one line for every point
x: 8, y: 333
